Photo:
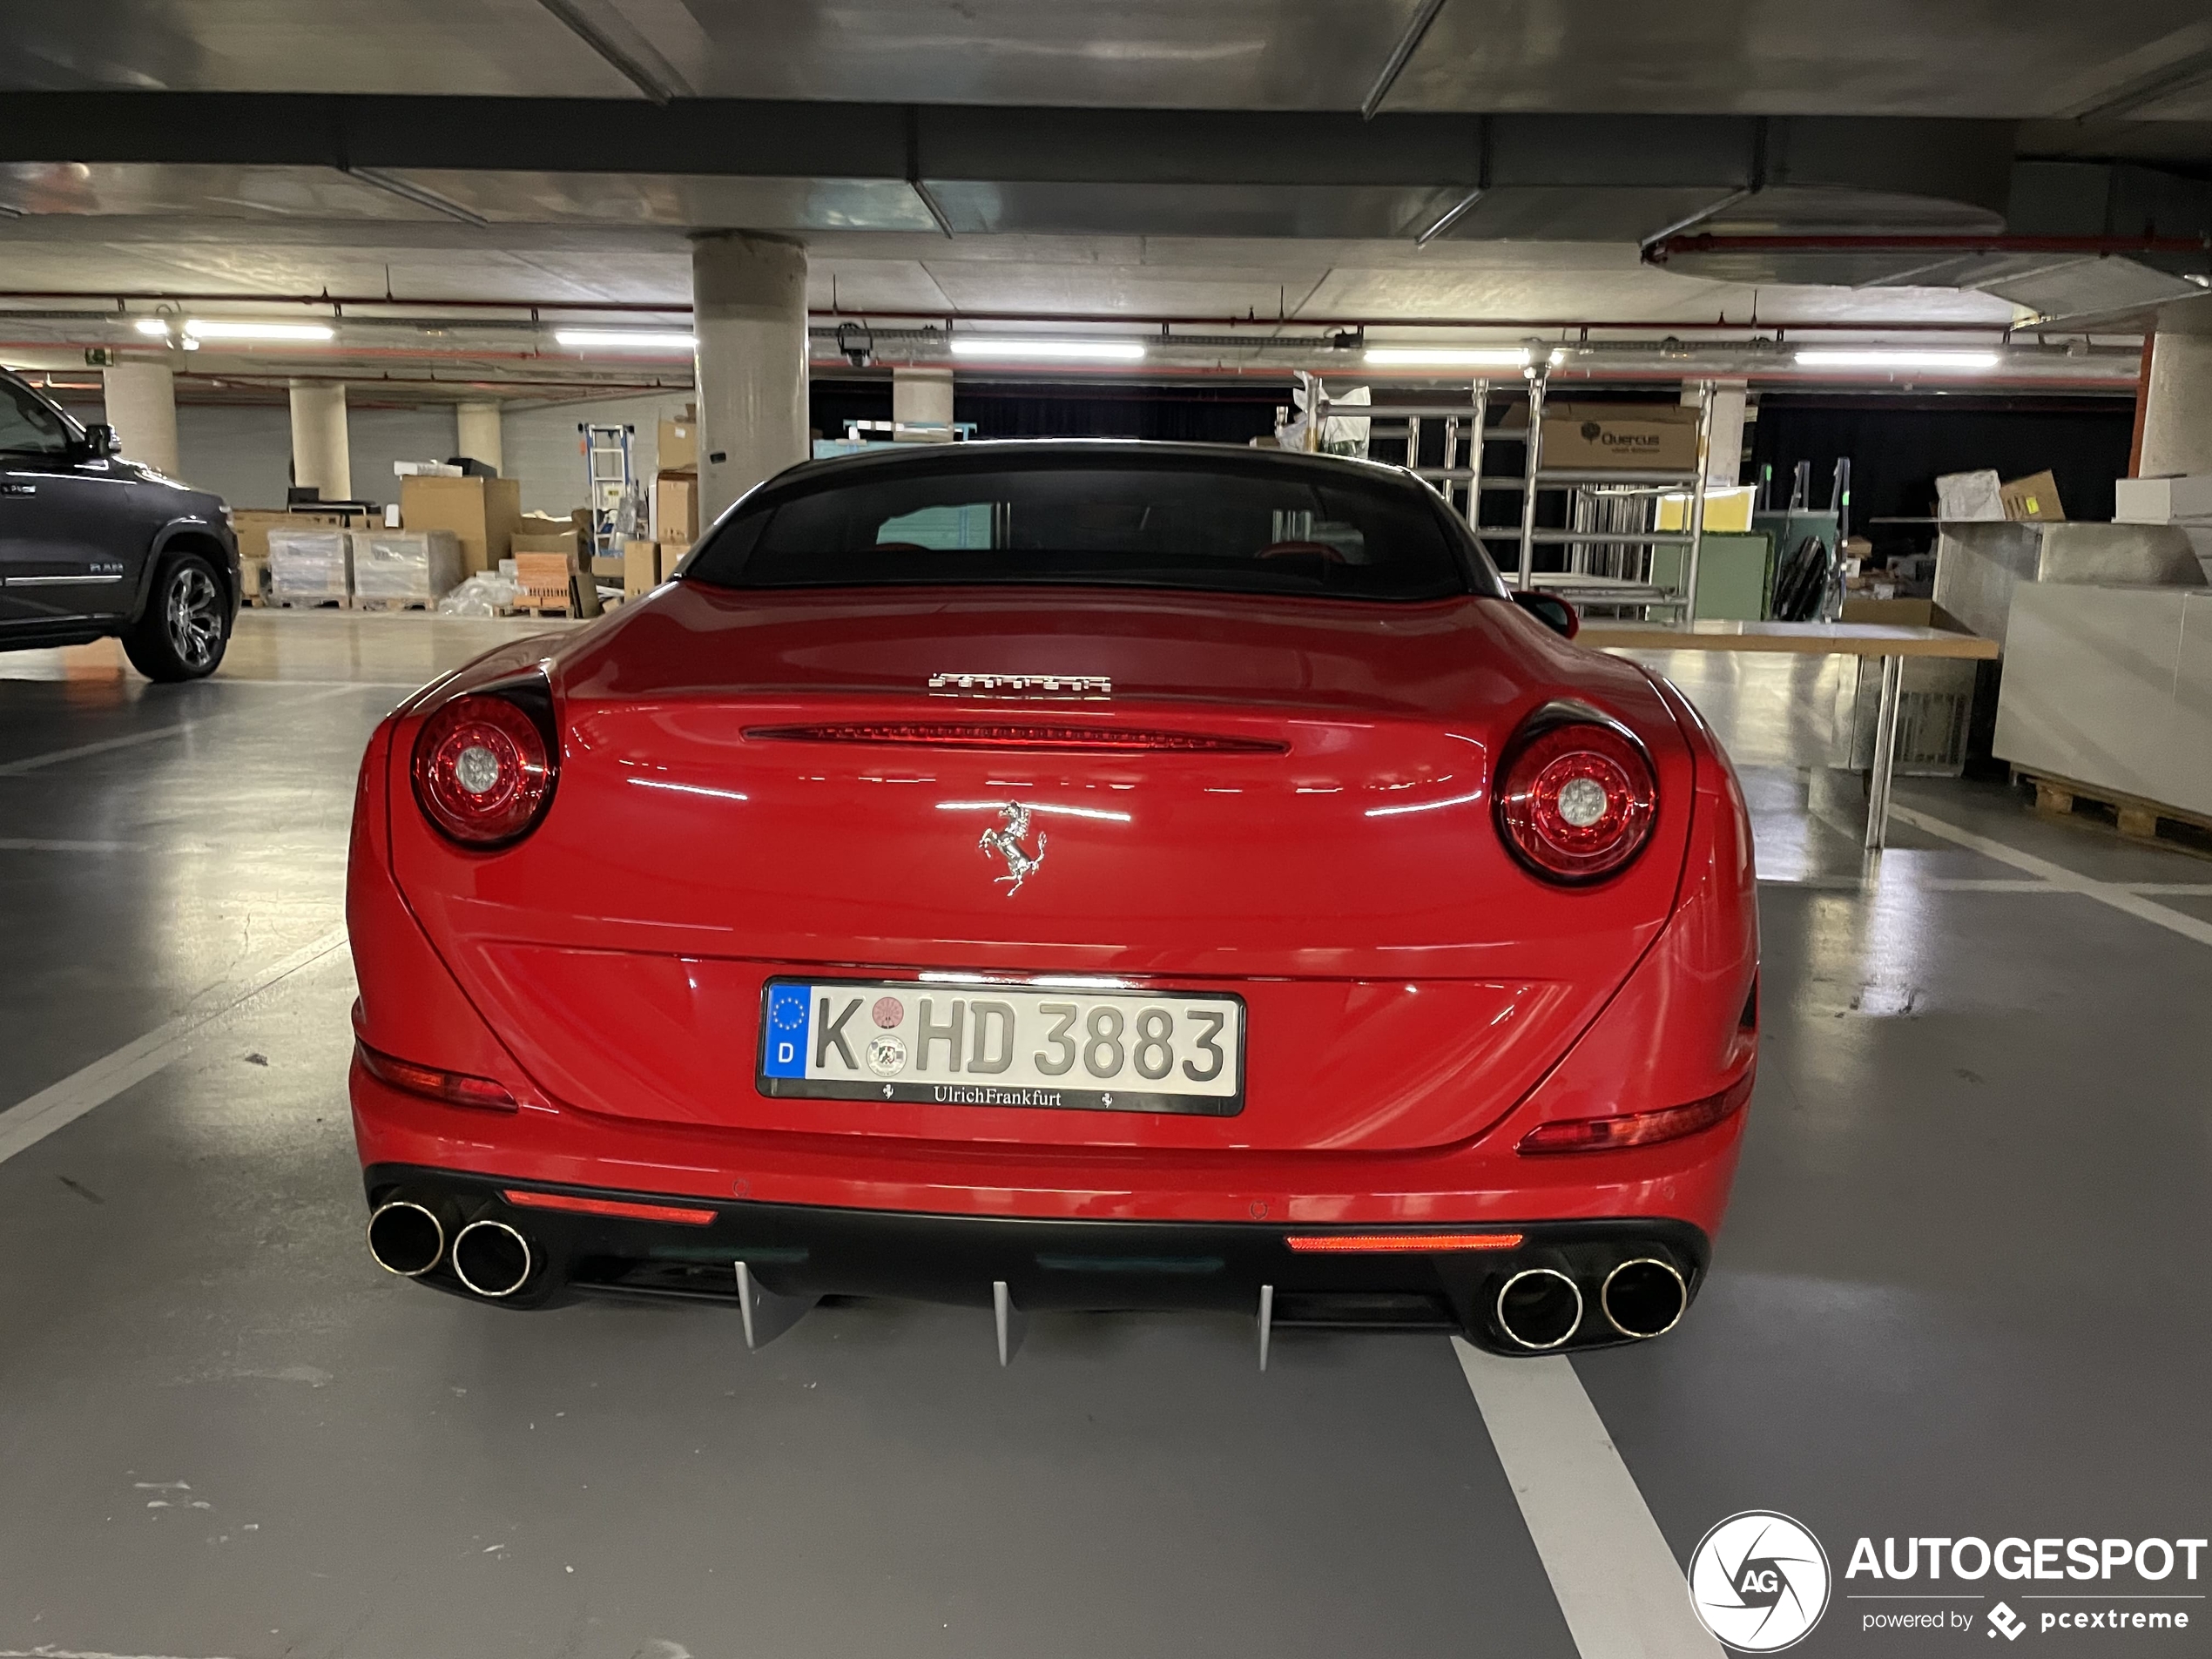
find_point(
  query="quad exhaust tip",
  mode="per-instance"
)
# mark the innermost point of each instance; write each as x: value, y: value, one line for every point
x: 1540, y: 1308
x: 406, y: 1239
x: 492, y: 1260
x: 1643, y: 1298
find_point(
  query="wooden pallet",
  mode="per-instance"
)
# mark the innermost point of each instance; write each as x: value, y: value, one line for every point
x: 273, y: 602
x: 360, y: 604
x: 530, y: 605
x: 2136, y: 819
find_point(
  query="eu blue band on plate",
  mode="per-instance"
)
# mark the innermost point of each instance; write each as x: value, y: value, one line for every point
x: 784, y: 1053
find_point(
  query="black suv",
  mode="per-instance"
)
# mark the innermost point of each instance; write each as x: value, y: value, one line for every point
x: 92, y: 544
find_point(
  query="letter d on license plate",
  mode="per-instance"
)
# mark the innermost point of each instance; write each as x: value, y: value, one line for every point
x: 998, y: 1045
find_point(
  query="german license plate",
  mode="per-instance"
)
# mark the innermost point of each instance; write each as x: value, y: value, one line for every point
x: 999, y: 1045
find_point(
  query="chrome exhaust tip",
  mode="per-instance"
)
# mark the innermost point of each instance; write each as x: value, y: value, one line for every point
x: 492, y: 1260
x: 1540, y: 1308
x: 1643, y: 1298
x: 406, y: 1239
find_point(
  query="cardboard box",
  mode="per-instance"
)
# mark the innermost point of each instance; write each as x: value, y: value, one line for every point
x: 1658, y: 437
x: 562, y: 543
x: 543, y: 577
x: 671, y: 555
x: 676, y: 507
x: 1902, y: 613
x: 481, y: 512
x: 2035, y: 496
x: 2168, y: 499
x: 1969, y: 497
x: 607, y: 568
x: 679, y: 446
x: 640, y: 568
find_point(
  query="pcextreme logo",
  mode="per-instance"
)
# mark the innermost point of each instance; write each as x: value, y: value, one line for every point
x: 1759, y: 1582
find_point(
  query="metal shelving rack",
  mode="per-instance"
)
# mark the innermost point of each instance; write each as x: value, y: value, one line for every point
x: 1588, y: 490
x: 611, y: 481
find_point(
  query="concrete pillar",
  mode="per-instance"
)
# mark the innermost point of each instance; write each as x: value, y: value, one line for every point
x: 478, y: 435
x: 1724, y: 464
x: 2177, y: 406
x: 922, y: 397
x: 321, y: 455
x: 142, y: 407
x: 749, y: 310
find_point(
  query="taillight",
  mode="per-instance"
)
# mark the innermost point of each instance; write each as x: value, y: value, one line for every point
x: 1576, y: 799
x: 483, y: 772
x: 1637, y: 1129
x: 453, y: 1088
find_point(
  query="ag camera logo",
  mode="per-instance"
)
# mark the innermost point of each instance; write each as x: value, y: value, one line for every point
x: 1758, y: 1581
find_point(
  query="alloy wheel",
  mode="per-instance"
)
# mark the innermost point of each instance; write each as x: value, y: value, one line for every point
x: 194, y: 607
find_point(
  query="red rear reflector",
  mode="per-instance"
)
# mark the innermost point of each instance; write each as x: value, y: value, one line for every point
x: 609, y: 1207
x: 1397, y: 1244
x: 1637, y: 1129
x: 1067, y: 739
x: 453, y: 1088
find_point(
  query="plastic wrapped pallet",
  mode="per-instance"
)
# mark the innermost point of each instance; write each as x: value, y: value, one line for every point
x: 407, y: 567
x: 311, y: 564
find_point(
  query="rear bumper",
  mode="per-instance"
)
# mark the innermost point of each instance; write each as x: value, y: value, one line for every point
x: 807, y: 1250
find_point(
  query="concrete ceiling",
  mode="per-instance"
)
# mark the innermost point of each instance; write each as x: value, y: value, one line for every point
x: 2006, y: 58
x: 1191, y: 158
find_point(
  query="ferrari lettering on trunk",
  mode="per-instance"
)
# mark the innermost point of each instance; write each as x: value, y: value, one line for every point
x: 1129, y: 1051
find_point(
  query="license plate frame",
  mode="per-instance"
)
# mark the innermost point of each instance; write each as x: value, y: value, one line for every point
x: 1083, y: 1090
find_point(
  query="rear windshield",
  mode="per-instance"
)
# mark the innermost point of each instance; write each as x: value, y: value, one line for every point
x: 1175, y: 522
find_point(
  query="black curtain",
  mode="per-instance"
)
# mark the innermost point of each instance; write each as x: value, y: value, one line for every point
x: 1898, y: 445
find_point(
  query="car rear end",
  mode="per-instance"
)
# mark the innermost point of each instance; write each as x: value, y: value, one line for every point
x: 1101, y: 943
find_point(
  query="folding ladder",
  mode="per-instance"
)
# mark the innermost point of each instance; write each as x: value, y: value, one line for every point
x: 610, y: 487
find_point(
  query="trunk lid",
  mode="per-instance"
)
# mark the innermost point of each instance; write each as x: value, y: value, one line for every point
x: 1293, y: 805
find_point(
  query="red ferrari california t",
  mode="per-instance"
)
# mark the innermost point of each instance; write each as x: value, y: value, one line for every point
x: 1062, y: 875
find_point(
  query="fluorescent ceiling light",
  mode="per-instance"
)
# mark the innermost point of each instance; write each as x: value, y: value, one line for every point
x: 655, y: 340
x: 1899, y: 357
x: 1451, y: 356
x: 152, y: 325
x: 217, y: 329
x: 1100, y: 351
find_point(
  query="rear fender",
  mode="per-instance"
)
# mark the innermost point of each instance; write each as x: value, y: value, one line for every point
x: 410, y: 1006
x: 1684, y: 1026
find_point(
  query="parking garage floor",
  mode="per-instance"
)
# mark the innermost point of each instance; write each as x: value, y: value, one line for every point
x: 1961, y: 1290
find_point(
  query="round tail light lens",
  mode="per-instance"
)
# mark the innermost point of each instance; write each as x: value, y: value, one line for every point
x: 481, y: 772
x: 1576, y: 801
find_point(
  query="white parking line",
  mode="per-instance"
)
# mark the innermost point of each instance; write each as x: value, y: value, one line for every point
x: 1619, y: 1586
x: 32, y: 1120
x: 19, y: 844
x: 2104, y: 893
x: 55, y: 757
